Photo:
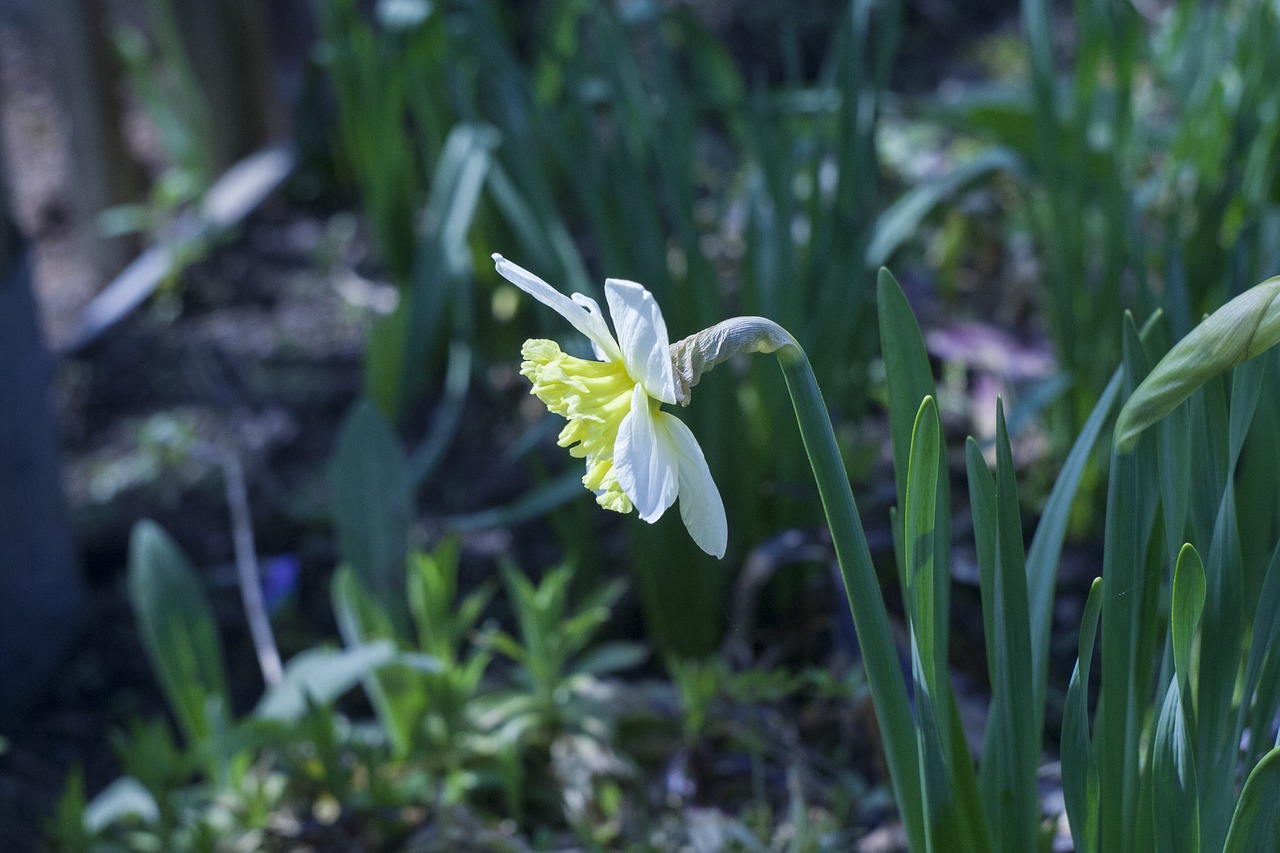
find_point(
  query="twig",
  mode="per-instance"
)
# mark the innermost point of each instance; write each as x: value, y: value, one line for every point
x: 264, y: 642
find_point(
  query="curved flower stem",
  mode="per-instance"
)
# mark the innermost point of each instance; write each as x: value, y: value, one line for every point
x: 880, y: 658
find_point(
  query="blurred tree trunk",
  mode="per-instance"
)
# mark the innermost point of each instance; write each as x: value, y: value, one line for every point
x: 88, y: 77
x: 227, y: 44
x: 41, y: 592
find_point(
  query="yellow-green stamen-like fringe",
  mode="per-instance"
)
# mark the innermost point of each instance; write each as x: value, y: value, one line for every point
x: 594, y: 396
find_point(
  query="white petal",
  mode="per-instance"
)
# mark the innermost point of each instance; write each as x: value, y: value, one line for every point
x: 590, y: 323
x: 646, y: 470
x: 642, y: 335
x: 592, y: 307
x: 700, y: 503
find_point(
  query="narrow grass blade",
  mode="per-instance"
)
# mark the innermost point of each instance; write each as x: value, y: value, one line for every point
x: 538, y: 501
x: 1257, y: 495
x: 1173, y: 434
x: 1246, y: 389
x: 1080, y: 784
x: 396, y: 692
x: 1222, y: 633
x: 372, y: 505
x: 919, y: 513
x: 908, y: 382
x: 942, y: 819
x: 945, y: 766
x: 908, y: 376
x: 1256, y: 823
x: 1175, y: 805
x: 1263, y: 665
x: 442, y: 259
x: 318, y: 676
x: 901, y: 220
x: 1046, y: 544
x: 1126, y: 620
x: 1015, y: 746
x: 1188, y: 603
x: 982, y: 505
x: 447, y: 417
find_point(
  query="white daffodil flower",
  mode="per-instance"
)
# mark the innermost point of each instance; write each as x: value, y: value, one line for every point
x: 636, y: 454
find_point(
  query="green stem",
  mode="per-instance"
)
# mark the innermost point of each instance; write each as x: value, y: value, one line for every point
x: 879, y: 654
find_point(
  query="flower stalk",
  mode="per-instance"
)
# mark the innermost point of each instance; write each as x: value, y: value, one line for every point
x: 879, y: 654
x: 697, y: 354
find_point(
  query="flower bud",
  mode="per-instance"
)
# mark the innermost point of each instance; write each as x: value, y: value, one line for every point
x: 1245, y: 327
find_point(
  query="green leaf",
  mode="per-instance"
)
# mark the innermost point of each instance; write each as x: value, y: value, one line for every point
x: 1012, y: 744
x: 1080, y: 786
x: 609, y: 658
x: 919, y: 513
x: 372, y: 505
x: 535, y: 503
x: 1256, y: 823
x: 941, y: 815
x: 1046, y: 544
x: 397, y: 693
x: 1174, y: 437
x: 1221, y: 636
x: 68, y: 827
x: 927, y: 649
x: 908, y: 376
x: 431, y: 451
x: 1263, y: 664
x: 1247, y: 382
x: 125, y: 797
x: 1128, y: 622
x: 178, y: 628
x: 1188, y: 603
x: 909, y: 384
x: 442, y: 260
x: 982, y: 503
x: 1175, y: 804
x: 319, y: 676
x: 901, y: 220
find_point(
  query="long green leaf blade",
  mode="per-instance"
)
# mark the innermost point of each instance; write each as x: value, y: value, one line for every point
x: 1016, y: 719
x: 1175, y: 804
x: 1256, y: 823
x: 1080, y: 784
x: 396, y: 692
x: 908, y: 382
x: 1188, y: 603
x: 178, y: 629
x: 372, y: 505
